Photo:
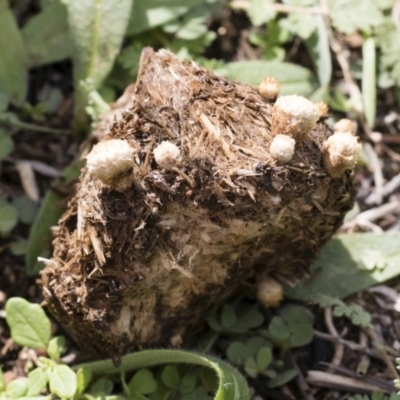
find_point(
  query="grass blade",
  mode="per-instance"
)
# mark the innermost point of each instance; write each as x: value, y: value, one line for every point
x: 369, y: 80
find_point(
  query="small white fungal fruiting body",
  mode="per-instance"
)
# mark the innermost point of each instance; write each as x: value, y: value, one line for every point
x: 340, y: 153
x: 269, y: 88
x: 167, y: 155
x: 345, y: 125
x: 112, y: 162
x: 282, y: 148
x: 269, y: 292
x: 294, y: 116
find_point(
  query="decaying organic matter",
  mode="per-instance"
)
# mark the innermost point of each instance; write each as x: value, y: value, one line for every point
x: 203, y: 210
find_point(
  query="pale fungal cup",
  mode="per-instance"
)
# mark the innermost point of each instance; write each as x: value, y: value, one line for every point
x: 269, y: 292
x: 294, y: 116
x: 112, y: 162
x: 167, y: 155
x: 340, y: 153
x: 269, y: 88
x: 282, y: 148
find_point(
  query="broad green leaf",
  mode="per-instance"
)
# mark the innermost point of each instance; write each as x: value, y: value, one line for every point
x: 251, y: 367
x: 62, y: 381
x: 300, y: 24
x: 188, y: 382
x: 101, y: 387
x: 46, y: 36
x: 282, y: 378
x: 97, y: 30
x: 278, y: 329
x: 350, y: 16
x: 238, y: 353
x: 83, y: 376
x: 4, y: 102
x: 256, y: 343
x: 6, y: 143
x: 28, y: 323
x: 339, y: 270
x: 318, y: 48
x: 261, y: 12
x: 300, y: 322
x: 40, y: 234
x: 8, y: 218
x: 151, y: 13
x: 369, y: 80
x: 143, y: 381
x: 170, y: 376
x: 263, y: 358
x: 228, y: 316
x: 17, y: 388
x: 27, y: 209
x: 231, y: 384
x: 13, y: 59
x: 37, y: 381
x: 56, y: 347
x: 292, y: 78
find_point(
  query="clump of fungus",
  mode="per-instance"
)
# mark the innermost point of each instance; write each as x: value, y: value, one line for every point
x: 207, y: 211
x: 269, y: 88
x: 294, y: 116
x: 345, y: 125
x: 111, y: 161
x: 282, y: 148
x: 167, y: 155
x: 269, y: 292
x: 341, y: 152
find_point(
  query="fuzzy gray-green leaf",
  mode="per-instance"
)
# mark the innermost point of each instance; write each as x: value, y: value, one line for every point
x: 13, y: 59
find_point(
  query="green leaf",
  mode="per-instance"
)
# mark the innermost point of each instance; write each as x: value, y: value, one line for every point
x: 300, y: 24
x: 83, y: 377
x: 151, y: 13
x: 97, y: 29
x: 37, y: 381
x: 40, y: 234
x: 318, y: 48
x: 248, y: 317
x: 251, y: 367
x: 27, y: 209
x: 143, y: 381
x: 228, y: 316
x: 63, y: 382
x: 256, y: 343
x: 46, y: 36
x: 188, y: 382
x: 28, y: 323
x: 350, y: 16
x: 170, y: 376
x: 13, y: 60
x: 8, y: 218
x: 237, y: 353
x: 339, y: 269
x: 369, y: 80
x: 261, y: 12
x: 282, y: 378
x: 292, y: 78
x: 231, y: 384
x: 56, y: 347
x: 101, y: 388
x: 6, y: 143
x: 4, y: 102
x: 17, y: 388
x: 278, y: 329
x: 263, y: 358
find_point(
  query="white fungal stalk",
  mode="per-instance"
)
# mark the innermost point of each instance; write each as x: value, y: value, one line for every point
x: 294, y: 116
x: 269, y: 88
x: 269, y: 292
x: 340, y: 153
x: 167, y: 155
x: 282, y: 148
x: 112, y: 162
